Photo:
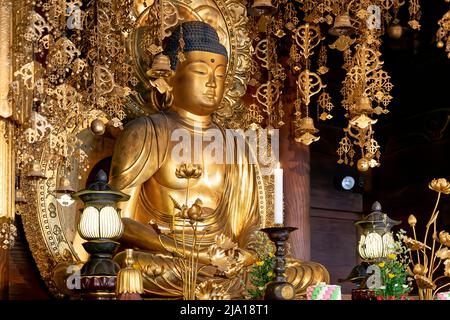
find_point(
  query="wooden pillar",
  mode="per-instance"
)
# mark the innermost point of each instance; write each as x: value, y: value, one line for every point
x: 6, y: 202
x: 294, y: 159
x: 6, y: 137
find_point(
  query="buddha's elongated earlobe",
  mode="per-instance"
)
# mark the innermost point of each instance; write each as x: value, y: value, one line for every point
x: 168, y: 100
x: 161, y: 99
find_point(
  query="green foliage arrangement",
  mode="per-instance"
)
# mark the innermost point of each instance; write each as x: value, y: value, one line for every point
x: 395, y: 276
x: 260, y: 274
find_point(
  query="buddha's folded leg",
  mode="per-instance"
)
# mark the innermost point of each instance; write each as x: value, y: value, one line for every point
x: 303, y: 274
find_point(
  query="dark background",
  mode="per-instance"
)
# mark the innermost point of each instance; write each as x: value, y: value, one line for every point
x: 414, y: 140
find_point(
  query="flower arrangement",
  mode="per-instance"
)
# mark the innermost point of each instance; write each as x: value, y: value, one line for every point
x: 426, y: 256
x: 261, y: 274
x: 395, y: 277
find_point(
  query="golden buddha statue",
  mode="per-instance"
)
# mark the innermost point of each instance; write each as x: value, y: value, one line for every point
x: 144, y: 166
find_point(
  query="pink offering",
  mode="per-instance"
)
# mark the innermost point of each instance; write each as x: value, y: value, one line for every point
x: 323, y: 291
x: 443, y: 295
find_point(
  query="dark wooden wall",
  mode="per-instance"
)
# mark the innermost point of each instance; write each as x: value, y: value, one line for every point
x: 332, y: 217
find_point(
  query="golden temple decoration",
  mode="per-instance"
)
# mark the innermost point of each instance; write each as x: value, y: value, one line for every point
x: 414, y: 14
x: 129, y: 279
x: 443, y: 33
x: 428, y: 255
x: 268, y: 94
x: 366, y: 83
x: 309, y: 83
x: 8, y: 233
x: 210, y: 290
x: 80, y: 70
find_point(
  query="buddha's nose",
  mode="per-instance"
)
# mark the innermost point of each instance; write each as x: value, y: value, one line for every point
x: 211, y: 82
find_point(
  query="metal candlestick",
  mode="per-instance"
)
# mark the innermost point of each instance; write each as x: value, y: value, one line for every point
x: 279, y: 289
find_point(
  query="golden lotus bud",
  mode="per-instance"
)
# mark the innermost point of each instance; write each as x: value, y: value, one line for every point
x: 363, y: 164
x: 420, y: 269
x: 444, y: 238
x: 412, y: 220
x: 188, y: 171
x: 98, y: 127
x: 440, y: 44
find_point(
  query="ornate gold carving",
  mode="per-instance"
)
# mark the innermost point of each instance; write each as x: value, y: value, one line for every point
x: 8, y: 233
x: 443, y: 33
x: 366, y: 83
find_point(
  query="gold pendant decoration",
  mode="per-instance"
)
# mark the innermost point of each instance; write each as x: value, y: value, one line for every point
x: 443, y: 33
x: 305, y: 130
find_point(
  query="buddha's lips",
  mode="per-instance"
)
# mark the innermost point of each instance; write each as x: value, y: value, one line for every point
x: 210, y: 95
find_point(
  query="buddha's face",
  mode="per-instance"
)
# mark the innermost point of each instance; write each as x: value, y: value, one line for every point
x: 198, y: 83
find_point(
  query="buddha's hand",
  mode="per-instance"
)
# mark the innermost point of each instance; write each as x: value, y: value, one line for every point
x: 227, y: 257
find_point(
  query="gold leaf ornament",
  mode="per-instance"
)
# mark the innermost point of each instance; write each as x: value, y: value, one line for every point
x: 444, y: 238
x: 211, y: 290
x: 226, y: 256
x: 440, y: 185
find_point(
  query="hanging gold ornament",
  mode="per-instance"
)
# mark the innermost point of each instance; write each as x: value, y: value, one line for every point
x: 363, y: 164
x: 362, y: 121
x: 19, y: 197
x: 443, y: 33
x: 414, y: 14
x: 98, y: 127
x: 129, y: 280
x: 64, y: 186
x: 342, y: 26
x: 160, y: 67
x: 305, y: 131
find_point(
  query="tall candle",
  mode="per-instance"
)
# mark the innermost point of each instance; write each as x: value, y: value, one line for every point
x: 278, y: 196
